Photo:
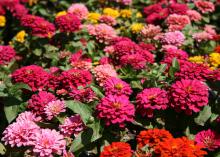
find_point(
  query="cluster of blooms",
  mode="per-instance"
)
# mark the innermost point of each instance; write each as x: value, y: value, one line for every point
x: 7, y: 54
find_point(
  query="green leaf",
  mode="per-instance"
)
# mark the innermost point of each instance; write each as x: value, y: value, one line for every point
x: 91, y: 134
x: 175, y: 64
x: 82, y: 109
x: 2, y: 149
x: 11, y: 112
x: 203, y: 116
x: 97, y: 91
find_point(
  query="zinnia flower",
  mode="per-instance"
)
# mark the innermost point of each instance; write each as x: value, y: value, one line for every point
x: 7, y: 54
x: 188, y: 96
x: 111, y: 12
x: 179, y: 147
x: 68, y: 23
x: 151, y: 31
x: 152, y: 137
x: 150, y: 100
x: 209, y: 139
x: 116, y: 86
x: 204, y: 6
x: 72, y: 126
x: 136, y: 27
x: 82, y: 94
x: 2, y: 21
x: 20, y: 36
x: 117, y: 149
x: 175, y: 38
x: 194, y: 15
x: 34, y: 76
x: 20, y: 133
x: 177, y: 22
x: 115, y: 110
x: 28, y: 116
x: 38, y: 102
x: 48, y: 143
x: 54, y: 108
x: 214, y: 59
x: 79, y: 10
x: 107, y: 20
x: 103, y: 72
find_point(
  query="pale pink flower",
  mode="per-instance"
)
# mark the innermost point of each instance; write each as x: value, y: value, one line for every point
x: 79, y: 9
x: 72, y: 126
x: 151, y: 31
x: 54, y: 108
x: 194, y: 15
x: 205, y: 6
x: 202, y: 36
x: 107, y: 20
x: 20, y: 133
x: 175, y: 38
x: 48, y: 142
x: 103, y: 72
x: 28, y: 116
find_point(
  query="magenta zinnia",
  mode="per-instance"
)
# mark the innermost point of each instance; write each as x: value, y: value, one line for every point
x: 188, y: 96
x: 150, y: 100
x: 115, y: 110
x: 7, y: 54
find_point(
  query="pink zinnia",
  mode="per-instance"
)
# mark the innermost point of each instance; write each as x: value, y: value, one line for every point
x: 72, y: 126
x: 73, y: 78
x: 48, y: 143
x: 115, y: 110
x: 34, y: 76
x: 18, y: 10
x: 151, y: 31
x: 28, y: 116
x: 177, y: 22
x: 68, y: 23
x: 150, y: 100
x: 107, y: 20
x: 188, y: 96
x: 125, y: 2
x: 38, y: 102
x: 82, y: 94
x: 194, y: 15
x: 102, y: 32
x: 205, y: 6
x: 54, y: 108
x: 202, y: 36
x: 7, y: 54
x: 103, y: 72
x: 175, y: 38
x: 20, y: 133
x: 79, y: 10
x: 209, y: 139
x: 193, y: 71
x: 116, y: 86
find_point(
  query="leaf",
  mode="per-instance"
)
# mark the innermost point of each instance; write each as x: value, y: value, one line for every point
x: 77, y: 107
x: 203, y: 116
x: 97, y: 91
x: 2, y: 149
x: 174, y: 68
x: 91, y: 134
x: 11, y: 112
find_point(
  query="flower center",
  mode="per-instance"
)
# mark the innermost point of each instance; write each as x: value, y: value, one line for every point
x: 151, y: 97
x: 119, y: 86
x: 208, y: 141
x: 116, y: 105
x: 189, y: 89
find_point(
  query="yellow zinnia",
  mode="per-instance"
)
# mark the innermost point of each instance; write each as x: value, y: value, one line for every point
x: 20, y: 36
x: 139, y: 15
x: 197, y: 59
x: 111, y: 12
x: 125, y: 13
x: 136, y: 27
x: 94, y: 17
x: 214, y: 59
x: 61, y: 13
x: 2, y: 21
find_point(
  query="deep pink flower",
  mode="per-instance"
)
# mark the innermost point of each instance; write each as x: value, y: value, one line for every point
x: 157, y: 17
x: 175, y: 38
x: 82, y: 94
x: 28, y: 116
x: 178, y: 8
x: 48, y: 143
x: 7, y: 54
x: 73, y: 78
x: 204, y: 6
x: 34, y: 76
x: 38, y: 102
x: 209, y: 139
x: 20, y: 133
x: 116, y: 86
x: 188, y: 96
x: 154, y: 8
x: 54, y: 108
x: 115, y: 110
x: 18, y: 10
x: 38, y: 25
x: 193, y: 71
x: 150, y: 100
x: 102, y: 32
x: 68, y: 23
x: 72, y: 126
x: 148, y: 47
x: 103, y: 72
x: 79, y: 10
